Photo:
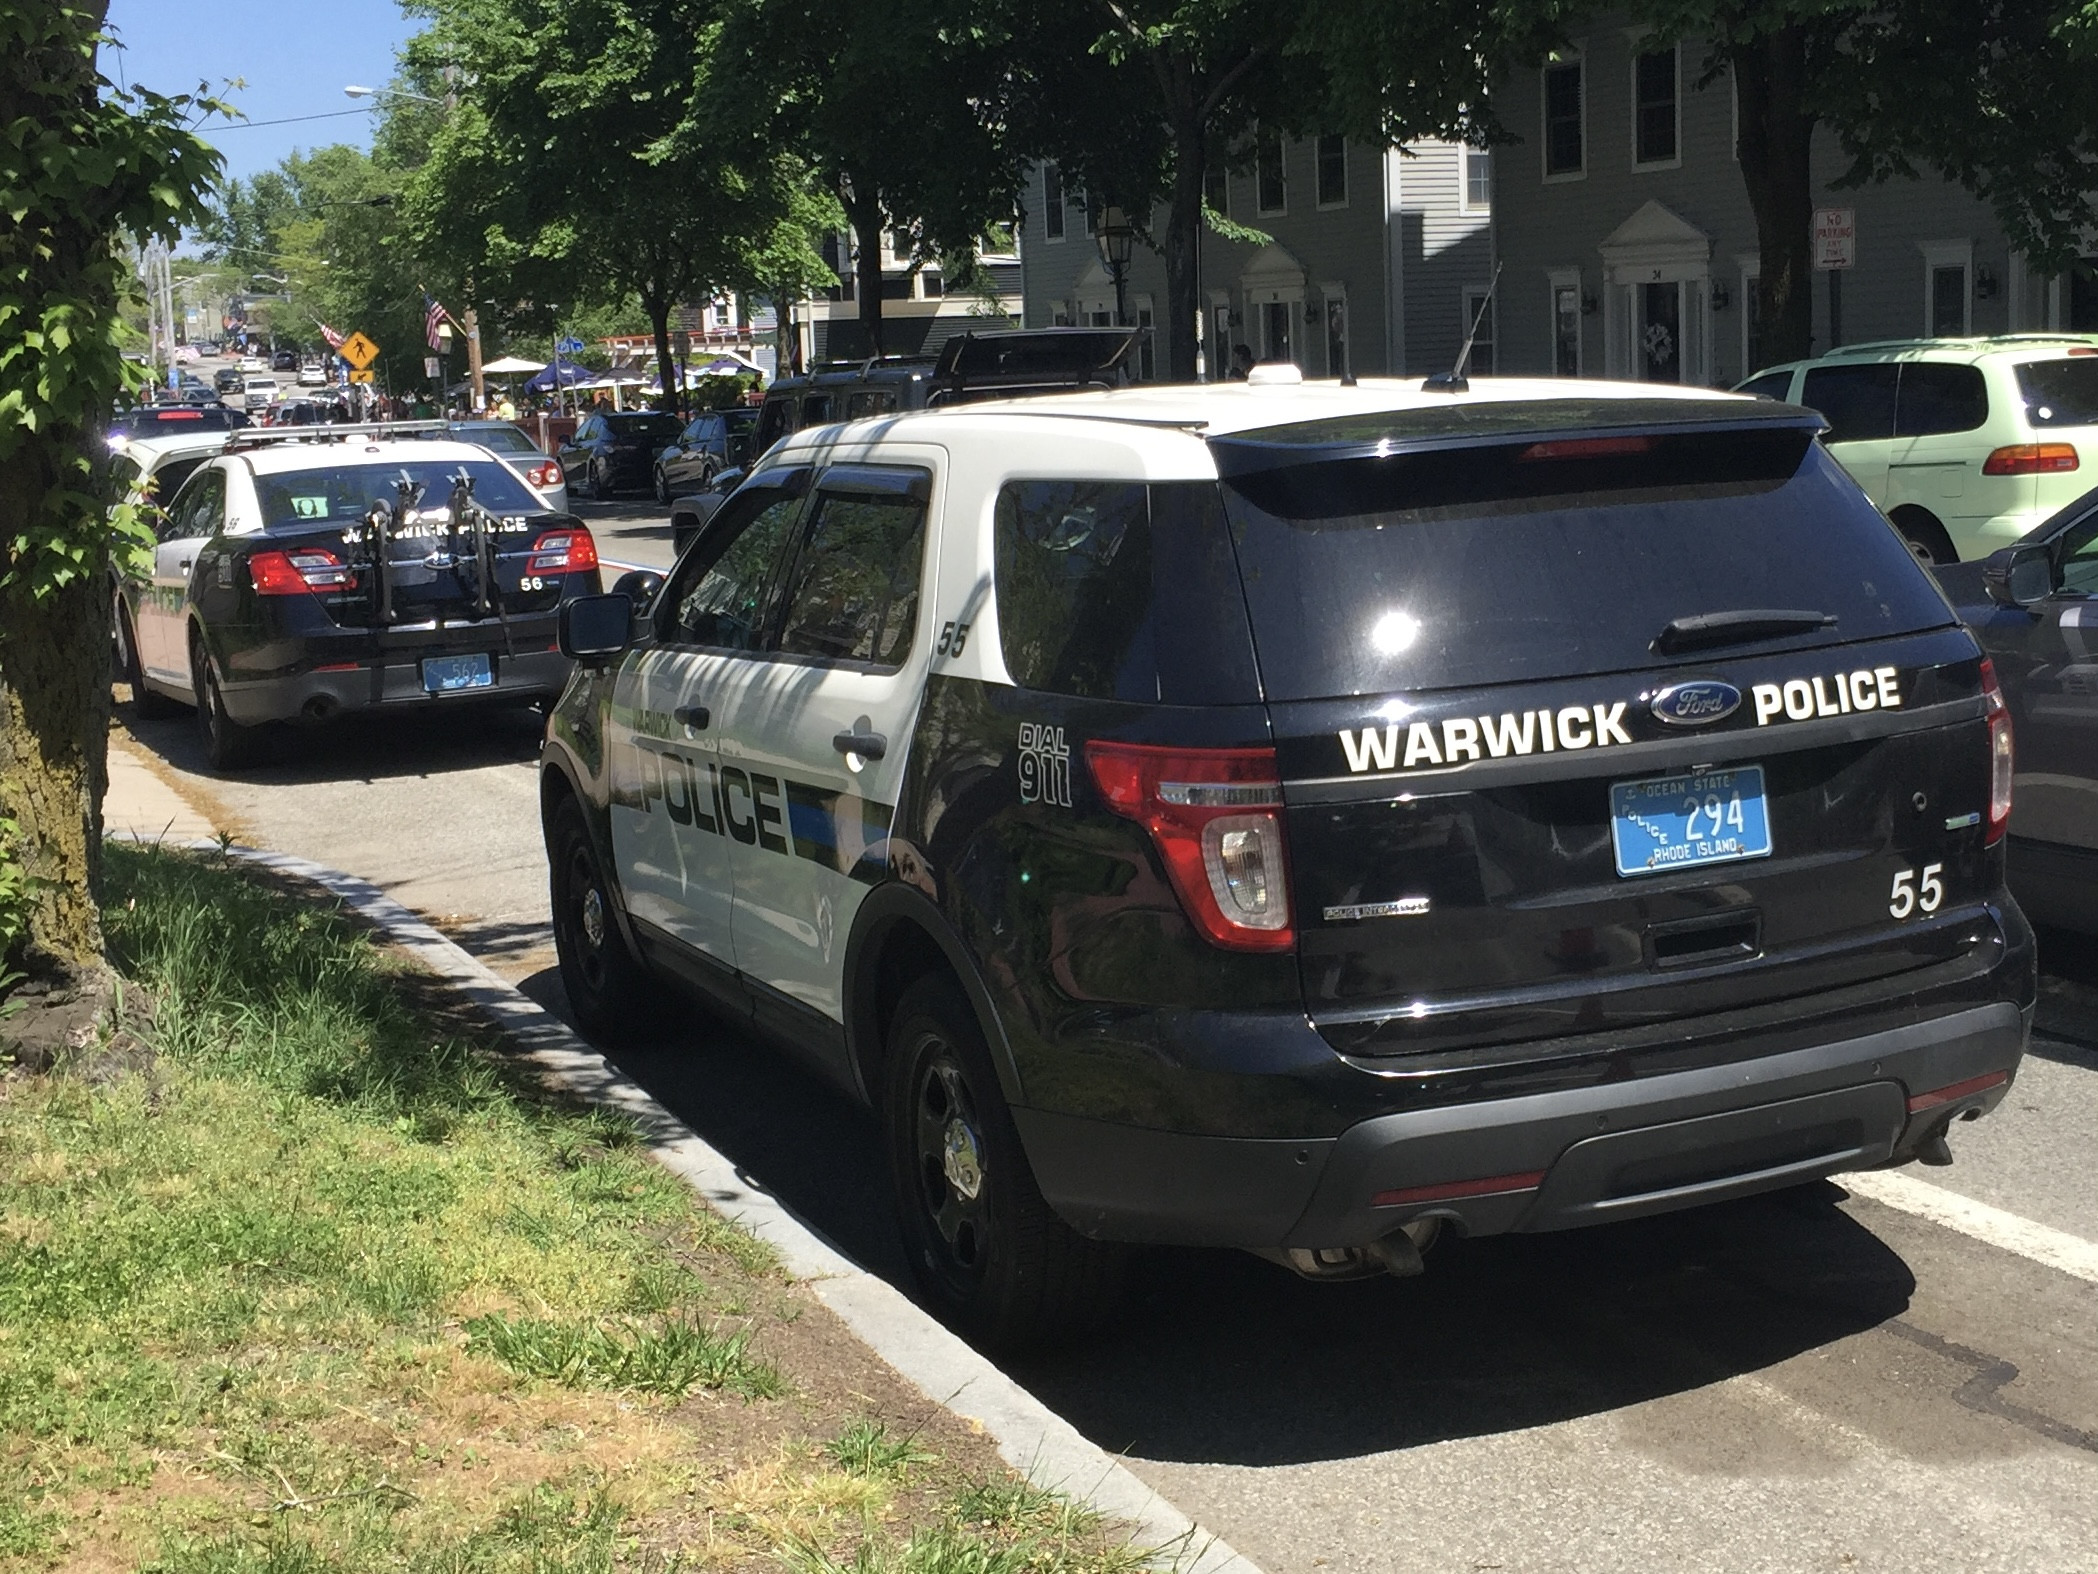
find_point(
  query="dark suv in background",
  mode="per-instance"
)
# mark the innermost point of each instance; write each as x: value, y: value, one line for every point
x: 970, y: 367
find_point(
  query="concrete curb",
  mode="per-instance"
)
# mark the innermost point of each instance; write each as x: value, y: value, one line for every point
x: 1035, y: 1440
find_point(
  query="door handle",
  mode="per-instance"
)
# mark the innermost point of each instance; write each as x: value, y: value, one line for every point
x: 867, y: 745
x: 694, y: 716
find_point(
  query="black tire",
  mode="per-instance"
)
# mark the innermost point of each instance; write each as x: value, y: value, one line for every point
x: 147, y: 704
x: 995, y: 1261
x: 228, y: 745
x: 662, y: 487
x: 610, y: 992
x: 594, y: 486
x: 1925, y: 535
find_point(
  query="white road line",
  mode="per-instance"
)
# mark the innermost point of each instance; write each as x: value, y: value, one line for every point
x: 2042, y: 1243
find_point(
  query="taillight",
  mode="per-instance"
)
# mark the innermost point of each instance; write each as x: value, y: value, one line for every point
x: 545, y: 477
x: 563, y: 552
x: 1213, y: 815
x: 1999, y: 753
x: 299, y: 572
x: 2031, y: 459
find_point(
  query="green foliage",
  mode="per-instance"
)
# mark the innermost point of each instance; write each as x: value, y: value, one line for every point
x: 82, y: 162
x: 671, y: 1358
x: 866, y: 1449
x: 17, y: 899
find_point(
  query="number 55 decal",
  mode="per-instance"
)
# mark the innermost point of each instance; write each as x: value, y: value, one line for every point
x: 952, y: 638
x: 1911, y: 895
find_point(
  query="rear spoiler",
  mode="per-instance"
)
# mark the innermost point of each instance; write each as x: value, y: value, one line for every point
x: 1035, y: 358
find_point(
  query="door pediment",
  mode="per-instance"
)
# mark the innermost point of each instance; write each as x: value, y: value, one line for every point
x: 1655, y: 246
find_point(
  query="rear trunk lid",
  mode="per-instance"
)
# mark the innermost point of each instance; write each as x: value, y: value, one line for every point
x: 1566, y: 743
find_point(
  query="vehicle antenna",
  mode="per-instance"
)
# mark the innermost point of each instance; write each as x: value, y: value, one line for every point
x: 1454, y: 381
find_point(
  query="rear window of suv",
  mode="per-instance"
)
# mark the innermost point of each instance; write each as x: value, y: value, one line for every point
x: 1368, y: 572
x: 2060, y: 393
x: 340, y: 494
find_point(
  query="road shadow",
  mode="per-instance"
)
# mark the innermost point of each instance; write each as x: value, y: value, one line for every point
x: 398, y: 745
x: 1221, y: 1358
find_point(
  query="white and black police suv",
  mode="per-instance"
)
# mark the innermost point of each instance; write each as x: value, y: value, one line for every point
x: 1306, y: 817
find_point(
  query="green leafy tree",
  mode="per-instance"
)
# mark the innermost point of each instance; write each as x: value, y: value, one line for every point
x: 586, y: 162
x: 82, y: 165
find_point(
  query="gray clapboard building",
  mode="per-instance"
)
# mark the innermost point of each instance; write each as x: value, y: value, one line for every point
x: 1370, y: 259
x: 1630, y: 249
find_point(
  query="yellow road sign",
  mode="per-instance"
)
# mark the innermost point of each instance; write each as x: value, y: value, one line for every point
x: 359, y: 351
x: 363, y: 376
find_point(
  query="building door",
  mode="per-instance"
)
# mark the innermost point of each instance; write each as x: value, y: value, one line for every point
x: 1274, y: 331
x: 1660, y: 339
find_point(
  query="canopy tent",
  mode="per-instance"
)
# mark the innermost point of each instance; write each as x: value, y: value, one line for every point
x: 562, y: 374
x: 509, y: 365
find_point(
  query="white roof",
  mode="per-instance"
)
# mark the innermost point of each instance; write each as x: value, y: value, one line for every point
x: 279, y: 458
x: 1159, y: 419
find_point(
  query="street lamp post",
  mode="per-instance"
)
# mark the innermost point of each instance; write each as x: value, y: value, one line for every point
x: 1117, y: 243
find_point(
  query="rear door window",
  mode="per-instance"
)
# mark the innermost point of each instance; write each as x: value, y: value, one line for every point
x: 1857, y: 400
x: 1489, y: 564
x: 1117, y: 590
x: 2060, y: 393
x: 1938, y: 397
x: 852, y: 594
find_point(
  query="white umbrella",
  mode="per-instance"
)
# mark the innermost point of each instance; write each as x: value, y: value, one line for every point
x: 514, y: 363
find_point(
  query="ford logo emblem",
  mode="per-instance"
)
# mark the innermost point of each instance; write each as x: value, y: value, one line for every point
x: 1696, y: 704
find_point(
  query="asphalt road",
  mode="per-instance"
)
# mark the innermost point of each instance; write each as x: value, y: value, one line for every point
x: 1808, y: 1383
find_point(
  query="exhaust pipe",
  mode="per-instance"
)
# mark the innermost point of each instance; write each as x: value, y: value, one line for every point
x: 319, y: 708
x: 1397, y: 1254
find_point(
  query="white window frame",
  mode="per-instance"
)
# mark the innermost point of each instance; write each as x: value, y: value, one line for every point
x: 1281, y: 145
x: 1053, y: 236
x: 1465, y: 154
x: 1675, y: 52
x: 1948, y: 254
x: 1318, y: 164
x: 1557, y: 279
x: 1577, y: 58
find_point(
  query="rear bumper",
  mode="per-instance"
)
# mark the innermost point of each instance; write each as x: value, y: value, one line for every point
x: 1548, y: 1161
x: 325, y: 690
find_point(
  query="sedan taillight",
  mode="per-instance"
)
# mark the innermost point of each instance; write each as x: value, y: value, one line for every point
x: 544, y: 476
x: 1999, y: 753
x: 1214, y: 815
x: 570, y: 551
x: 299, y: 572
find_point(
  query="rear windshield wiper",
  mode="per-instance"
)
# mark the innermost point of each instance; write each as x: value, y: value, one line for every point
x: 1704, y: 630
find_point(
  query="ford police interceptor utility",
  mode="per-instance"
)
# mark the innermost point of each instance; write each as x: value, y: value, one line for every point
x: 1306, y: 818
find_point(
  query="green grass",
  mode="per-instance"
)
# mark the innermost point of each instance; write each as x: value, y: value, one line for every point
x: 325, y: 1283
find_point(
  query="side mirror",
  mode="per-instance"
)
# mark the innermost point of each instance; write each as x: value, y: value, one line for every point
x: 640, y: 586
x: 596, y: 629
x: 2019, y: 576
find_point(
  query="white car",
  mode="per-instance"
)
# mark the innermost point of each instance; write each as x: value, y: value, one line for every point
x: 1966, y: 444
x: 312, y: 377
x: 259, y: 393
x: 253, y: 363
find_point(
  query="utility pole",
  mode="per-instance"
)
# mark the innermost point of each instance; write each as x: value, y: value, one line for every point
x: 470, y: 320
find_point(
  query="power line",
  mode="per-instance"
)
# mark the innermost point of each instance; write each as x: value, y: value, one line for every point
x: 333, y: 114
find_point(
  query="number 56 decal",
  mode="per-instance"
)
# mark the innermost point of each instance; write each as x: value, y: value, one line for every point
x: 1911, y: 895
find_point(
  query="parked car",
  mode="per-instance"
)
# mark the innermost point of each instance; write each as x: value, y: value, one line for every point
x: 151, y: 420
x: 716, y: 441
x: 970, y: 367
x: 307, y: 573
x: 541, y: 473
x: 1965, y: 444
x: 285, y: 361
x: 614, y: 451
x: 148, y: 472
x: 1301, y: 818
x: 2034, y: 607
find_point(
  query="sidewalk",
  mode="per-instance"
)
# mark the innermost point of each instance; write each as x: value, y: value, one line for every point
x: 141, y: 807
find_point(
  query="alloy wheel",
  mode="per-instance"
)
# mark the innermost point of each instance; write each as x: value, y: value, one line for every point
x: 953, y: 1184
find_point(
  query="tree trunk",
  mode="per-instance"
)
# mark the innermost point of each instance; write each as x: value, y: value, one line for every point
x: 657, y: 303
x: 864, y: 214
x: 1183, y: 246
x: 1776, y: 152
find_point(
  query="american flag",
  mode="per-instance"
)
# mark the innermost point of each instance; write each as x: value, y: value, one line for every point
x: 334, y: 339
x: 433, y: 316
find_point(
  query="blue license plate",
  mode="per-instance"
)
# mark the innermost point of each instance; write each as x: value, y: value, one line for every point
x: 1680, y: 822
x: 449, y: 674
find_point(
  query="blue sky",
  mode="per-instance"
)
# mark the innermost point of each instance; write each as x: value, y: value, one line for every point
x: 295, y: 56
